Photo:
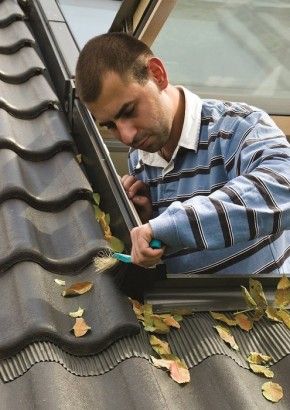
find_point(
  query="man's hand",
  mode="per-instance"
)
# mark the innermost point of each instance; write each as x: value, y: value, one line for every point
x: 141, y: 252
x: 139, y: 193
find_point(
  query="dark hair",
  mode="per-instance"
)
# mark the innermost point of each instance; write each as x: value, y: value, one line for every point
x: 117, y: 52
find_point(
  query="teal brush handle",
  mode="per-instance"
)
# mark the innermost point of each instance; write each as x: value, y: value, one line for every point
x: 154, y: 244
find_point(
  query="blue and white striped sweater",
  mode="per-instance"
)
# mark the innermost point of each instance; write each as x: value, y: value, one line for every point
x: 226, y: 207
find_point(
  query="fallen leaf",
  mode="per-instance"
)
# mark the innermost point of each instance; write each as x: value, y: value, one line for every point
x: 258, y: 358
x: 258, y: 314
x: 182, y: 312
x: 159, y: 345
x: 285, y: 316
x: 257, y: 293
x: 170, y: 321
x: 80, y: 327
x: 178, y: 370
x: 178, y: 373
x: 227, y: 336
x: 244, y: 321
x: 223, y: 318
x: 116, y: 244
x: 96, y: 198
x: 257, y: 368
x: 77, y: 313
x: 248, y: 298
x: 282, y: 295
x: 78, y: 288
x: 272, y: 391
x: 160, y: 326
x: 273, y: 314
x: 79, y: 158
x: 60, y: 282
x: 137, y: 307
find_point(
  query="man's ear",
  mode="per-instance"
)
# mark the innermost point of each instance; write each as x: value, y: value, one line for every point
x: 157, y: 71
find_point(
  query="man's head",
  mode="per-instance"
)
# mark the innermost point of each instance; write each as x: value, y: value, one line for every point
x: 112, y: 52
x: 126, y: 89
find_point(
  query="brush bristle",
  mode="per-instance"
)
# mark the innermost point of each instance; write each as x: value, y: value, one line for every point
x: 104, y: 260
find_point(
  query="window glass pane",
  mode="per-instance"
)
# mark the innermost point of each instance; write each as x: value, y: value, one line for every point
x: 89, y: 18
x: 236, y: 50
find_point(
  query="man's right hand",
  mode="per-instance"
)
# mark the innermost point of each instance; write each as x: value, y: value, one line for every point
x: 139, y: 193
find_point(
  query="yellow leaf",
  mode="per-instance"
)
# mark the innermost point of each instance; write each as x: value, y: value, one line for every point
x: 285, y: 316
x: 272, y: 391
x: 257, y: 368
x: 159, y: 345
x: 223, y: 318
x: 116, y: 244
x: 273, y: 314
x: 258, y: 358
x: 282, y: 295
x: 78, y: 288
x: 257, y: 293
x: 161, y: 327
x: 77, y: 313
x: 248, y: 298
x: 96, y: 198
x: 137, y: 307
x: 80, y: 327
x: 227, y: 336
x: 182, y: 312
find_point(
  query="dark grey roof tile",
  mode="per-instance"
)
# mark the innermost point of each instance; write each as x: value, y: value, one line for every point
x: 40, y: 313
x: 35, y: 139
x: 45, y: 185
x: 14, y: 37
x: 63, y: 241
x: 20, y: 66
x: 29, y: 99
x: 9, y: 12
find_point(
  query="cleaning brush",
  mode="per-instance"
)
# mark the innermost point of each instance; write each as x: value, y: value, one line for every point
x: 107, y: 259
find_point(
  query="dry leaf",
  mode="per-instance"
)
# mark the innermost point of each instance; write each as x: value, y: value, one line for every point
x: 282, y: 295
x: 160, y: 326
x: 116, y: 244
x: 258, y: 314
x: 248, y: 298
x: 257, y: 368
x: 137, y: 307
x: 244, y: 321
x: 78, y: 288
x: 60, y: 282
x: 273, y: 314
x: 80, y: 327
x: 178, y: 370
x: 178, y: 373
x: 182, y: 312
x: 170, y: 321
x: 258, y: 358
x: 227, y: 336
x: 272, y: 391
x: 257, y: 293
x: 96, y: 198
x: 285, y: 316
x: 159, y: 345
x: 77, y: 313
x: 223, y: 318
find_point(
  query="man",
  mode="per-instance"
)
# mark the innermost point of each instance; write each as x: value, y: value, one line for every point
x: 209, y: 178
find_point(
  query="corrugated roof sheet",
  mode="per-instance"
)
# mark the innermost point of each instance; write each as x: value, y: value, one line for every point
x: 48, y: 230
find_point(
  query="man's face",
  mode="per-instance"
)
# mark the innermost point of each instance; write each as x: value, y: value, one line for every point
x: 140, y: 116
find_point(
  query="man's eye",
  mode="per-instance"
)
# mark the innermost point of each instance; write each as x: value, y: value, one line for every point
x: 128, y: 113
x: 109, y: 125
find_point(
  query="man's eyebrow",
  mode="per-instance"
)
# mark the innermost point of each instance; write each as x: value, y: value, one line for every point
x: 119, y: 113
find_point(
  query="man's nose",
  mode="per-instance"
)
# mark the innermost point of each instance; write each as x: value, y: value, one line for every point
x: 126, y: 131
